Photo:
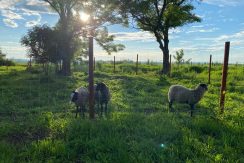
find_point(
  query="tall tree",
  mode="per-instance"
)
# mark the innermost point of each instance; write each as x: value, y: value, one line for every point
x: 64, y: 10
x: 101, y: 13
x: 157, y: 17
x: 42, y: 44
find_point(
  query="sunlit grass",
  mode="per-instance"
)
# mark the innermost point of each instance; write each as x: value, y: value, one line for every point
x: 38, y: 124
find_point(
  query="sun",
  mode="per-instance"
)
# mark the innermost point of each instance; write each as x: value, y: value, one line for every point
x: 84, y: 17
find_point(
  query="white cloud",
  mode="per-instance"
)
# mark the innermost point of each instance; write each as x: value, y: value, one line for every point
x: 6, y: 4
x: 11, y: 15
x: 32, y: 23
x: 202, y: 30
x: 36, y: 3
x: 28, y: 12
x: 222, y: 3
x: 133, y: 36
x: 35, y: 6
x: 234, y: 37
x: 10, y: 23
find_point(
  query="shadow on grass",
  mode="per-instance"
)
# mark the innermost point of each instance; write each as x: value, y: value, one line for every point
x: 26, y: 101
x: 127, y: 137
x: 132, y: 93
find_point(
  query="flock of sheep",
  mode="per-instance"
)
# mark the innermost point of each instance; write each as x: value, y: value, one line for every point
x: 80, y: 98
x: 177, y: 93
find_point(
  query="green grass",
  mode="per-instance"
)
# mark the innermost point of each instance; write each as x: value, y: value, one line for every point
x: 37, y: 121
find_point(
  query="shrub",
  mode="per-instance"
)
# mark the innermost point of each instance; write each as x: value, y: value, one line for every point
x: 196, y: 69
x: 4, y: 62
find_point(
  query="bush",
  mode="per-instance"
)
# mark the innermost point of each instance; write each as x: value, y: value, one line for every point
x: 4, y: 62
x: 196, y: 69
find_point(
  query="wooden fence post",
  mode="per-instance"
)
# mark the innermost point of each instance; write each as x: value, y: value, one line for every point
x: 136, y: 64
x: 209, y: 69
x: 91, y: 80
x: 224, y: 76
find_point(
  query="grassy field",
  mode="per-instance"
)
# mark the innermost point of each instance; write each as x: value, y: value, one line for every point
x: 37, y: 122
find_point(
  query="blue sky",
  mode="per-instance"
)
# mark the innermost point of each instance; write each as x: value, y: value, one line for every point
x: 222, y: 20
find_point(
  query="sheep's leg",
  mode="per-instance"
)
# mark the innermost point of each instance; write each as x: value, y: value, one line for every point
x: 83, y: 111
x: 170, y: 106
x: 77, y: 110
x: 101, y: 109
x: 192, y: 108
x: 106, y: 108
x: 97, y: 108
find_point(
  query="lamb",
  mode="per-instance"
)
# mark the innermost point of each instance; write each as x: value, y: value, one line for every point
x: 181, y: 94
x: 102, y: 96
x: 80, y: 98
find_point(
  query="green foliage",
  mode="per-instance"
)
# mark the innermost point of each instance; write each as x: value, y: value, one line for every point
x: 196, y: 69
x: 106, y: 41
x: 158, y: 17
x: 179, y: 57
x: 71, y: 28
x: 42, y: 44
x: 38, y: 124
x: 5, y: 62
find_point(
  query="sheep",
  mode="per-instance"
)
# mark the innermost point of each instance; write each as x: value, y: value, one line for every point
x: 102, y: 96
x: 80, y: 98
x: 181, y: 94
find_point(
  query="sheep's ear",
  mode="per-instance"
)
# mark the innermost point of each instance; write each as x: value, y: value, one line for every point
x: 204, y: 86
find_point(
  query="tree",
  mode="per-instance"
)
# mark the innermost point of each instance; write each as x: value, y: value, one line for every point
x: 179, y: 56
x: 71, y: 28
x: 4, y: 61
x: 157, y: 17
x: 2, y: 55
x: 42, y: 43
x: 64, y: 10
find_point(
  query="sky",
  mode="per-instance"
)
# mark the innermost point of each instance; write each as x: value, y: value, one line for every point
x: 222, y: 20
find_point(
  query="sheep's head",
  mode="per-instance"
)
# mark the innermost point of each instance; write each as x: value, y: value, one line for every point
x: 100, y: 87
x: 74, y: 96
x: 203, y: 86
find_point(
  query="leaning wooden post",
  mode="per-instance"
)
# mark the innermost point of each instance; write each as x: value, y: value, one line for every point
x: 91, y: 78
x: 136, y: 64
x: 170, y: 66
x: 114, y: 64
x: 209, y: 69
x: 224, y: 76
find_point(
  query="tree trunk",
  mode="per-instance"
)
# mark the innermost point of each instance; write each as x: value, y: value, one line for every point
x: 164, y: 46
x: 66, y: 65
x: 166, y: 65
x: 66, y: 48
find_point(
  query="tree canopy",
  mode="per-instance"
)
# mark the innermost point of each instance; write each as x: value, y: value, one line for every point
x: 42, y: 43
x: 157, y: 17
x: 72, y: 28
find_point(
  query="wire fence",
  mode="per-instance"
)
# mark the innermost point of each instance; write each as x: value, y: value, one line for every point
x: 23, y: 91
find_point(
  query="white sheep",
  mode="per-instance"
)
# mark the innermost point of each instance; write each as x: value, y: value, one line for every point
x: 181, y: 94
x: 80, y: 98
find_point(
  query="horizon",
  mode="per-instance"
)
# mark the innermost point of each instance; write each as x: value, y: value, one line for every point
x: 198, y: 40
